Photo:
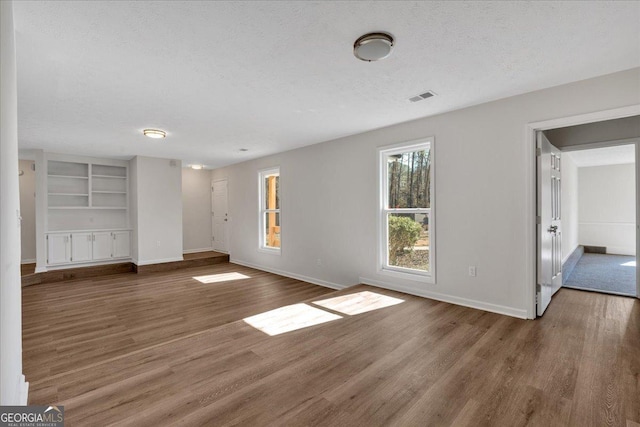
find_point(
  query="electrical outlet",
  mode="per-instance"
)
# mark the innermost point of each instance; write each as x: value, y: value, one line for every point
x: 319, y: 262
x: 472, y: 270
x: 158, y: 243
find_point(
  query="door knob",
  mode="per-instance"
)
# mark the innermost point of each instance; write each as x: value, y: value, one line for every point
x: 553, y: 229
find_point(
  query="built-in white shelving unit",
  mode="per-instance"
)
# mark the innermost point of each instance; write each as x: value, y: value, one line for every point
x: 87, y: 204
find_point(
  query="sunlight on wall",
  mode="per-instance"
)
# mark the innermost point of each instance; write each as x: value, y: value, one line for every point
x: 289, y: 318
x: 629, y: 264
x: 222, y: 277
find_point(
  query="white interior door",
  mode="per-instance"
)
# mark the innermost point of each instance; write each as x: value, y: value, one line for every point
x: 219, y: 215
x: 549, y: 222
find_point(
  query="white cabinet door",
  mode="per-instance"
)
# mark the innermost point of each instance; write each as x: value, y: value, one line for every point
x: 58, y: 248
x: 121, y: 244
x: 81, y: 247
x: 102, y: 246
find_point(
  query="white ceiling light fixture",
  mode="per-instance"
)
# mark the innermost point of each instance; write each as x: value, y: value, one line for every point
x: 197, y: 167
x: 373, y: 47
x: 154, y: 133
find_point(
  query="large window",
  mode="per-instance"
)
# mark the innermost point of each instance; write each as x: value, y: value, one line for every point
x: 269, y: 181
x: 406, y: 214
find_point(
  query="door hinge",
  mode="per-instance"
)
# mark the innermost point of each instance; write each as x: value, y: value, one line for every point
x: 538, y: 151
x: 538, y: 219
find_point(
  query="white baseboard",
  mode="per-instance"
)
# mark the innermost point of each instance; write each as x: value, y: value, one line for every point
x: 193, y: 251
x: 570, y: 253
x: 613, y: 250
x: 20, y: 395
x: 296, y: 276
x: 28, y: 261
x: 158, y: 261
x: 480, y: 305
x: 23, y: 394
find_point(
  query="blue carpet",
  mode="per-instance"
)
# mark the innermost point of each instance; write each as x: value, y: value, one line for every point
x: 615, y: 274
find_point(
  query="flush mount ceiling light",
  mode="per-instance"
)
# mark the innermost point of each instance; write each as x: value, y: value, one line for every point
x: 197, y: 167
x: 154, y: 133
x: 373, y: 46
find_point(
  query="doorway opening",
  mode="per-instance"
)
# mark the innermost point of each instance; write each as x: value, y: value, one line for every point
x: 578, y: 147
x: 599, y: 206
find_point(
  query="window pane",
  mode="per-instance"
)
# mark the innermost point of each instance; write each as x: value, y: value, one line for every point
x: 272, y: 229
x: 409, y: 240
x: 272, y: 192
x: 409, y: 179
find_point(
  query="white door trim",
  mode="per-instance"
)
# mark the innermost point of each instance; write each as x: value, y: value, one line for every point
x: 530, y: 190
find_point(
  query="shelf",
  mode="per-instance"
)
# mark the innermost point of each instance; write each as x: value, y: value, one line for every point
x: 68, y: 176
x: 69, y: 207
x: 86, y: 196
x: 108, y: 176
x: 109, y: 192
x: 89, y: 207
x: 88, y: 230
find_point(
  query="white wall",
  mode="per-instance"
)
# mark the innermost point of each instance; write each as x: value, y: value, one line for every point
x: 133, y: 206
x: 330, y: 198
x: 156, y: 190
x: 569, y: 206
x: 196, y: 210
x: 41, y: 211
x: 28, y: 210
x: 13, y: 389
x: 607, y: 207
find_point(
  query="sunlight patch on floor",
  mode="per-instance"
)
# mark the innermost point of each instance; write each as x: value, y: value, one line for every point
x: 289, y: 318
x: 358, y: 303
x: 222, y: 277
x: 629, y: 264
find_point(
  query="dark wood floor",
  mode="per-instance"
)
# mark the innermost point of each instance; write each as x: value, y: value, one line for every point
x: 26, y: 269
x: 163, y: 349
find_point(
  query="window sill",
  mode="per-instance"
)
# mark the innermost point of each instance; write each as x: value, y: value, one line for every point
x: 423, y: 277
x: 272, y: 251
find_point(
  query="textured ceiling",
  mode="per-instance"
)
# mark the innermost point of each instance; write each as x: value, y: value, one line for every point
x: 272, y: 76
x: 619, y: 155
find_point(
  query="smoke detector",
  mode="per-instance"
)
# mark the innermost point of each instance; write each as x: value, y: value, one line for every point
x: 373, y: 47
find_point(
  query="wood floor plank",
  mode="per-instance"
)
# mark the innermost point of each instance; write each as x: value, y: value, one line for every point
x: 165, y: 349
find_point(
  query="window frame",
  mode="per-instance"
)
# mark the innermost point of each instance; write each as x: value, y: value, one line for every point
x: 262, y: 211
x: 383, y: 211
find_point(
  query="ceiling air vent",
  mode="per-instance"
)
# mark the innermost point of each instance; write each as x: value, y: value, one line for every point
x: 427, y: 94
